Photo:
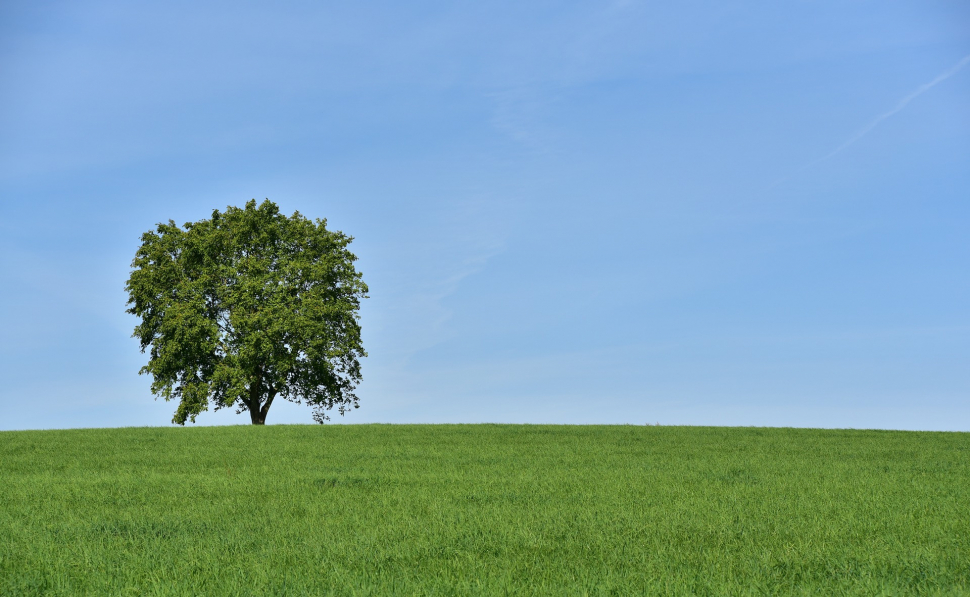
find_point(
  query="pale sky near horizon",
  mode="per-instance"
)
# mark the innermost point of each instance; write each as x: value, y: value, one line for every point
x: 692, y: 213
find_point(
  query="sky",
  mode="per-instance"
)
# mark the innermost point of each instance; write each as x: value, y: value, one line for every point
x: 684, y: 213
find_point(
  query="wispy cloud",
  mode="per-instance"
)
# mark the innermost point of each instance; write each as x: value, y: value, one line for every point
x: 899, y: 106
x: 518, y: 114
x: 425, y: 270
x: 878, y: 119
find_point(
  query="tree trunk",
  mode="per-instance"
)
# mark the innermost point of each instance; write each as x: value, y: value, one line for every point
x: 265, y: 410
x: 256, y: 414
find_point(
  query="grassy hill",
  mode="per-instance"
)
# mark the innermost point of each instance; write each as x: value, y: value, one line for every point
x: 483, y: 510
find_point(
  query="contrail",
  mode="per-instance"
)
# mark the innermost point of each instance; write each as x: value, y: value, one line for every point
x: 875, y: 122
x: 902, y: 104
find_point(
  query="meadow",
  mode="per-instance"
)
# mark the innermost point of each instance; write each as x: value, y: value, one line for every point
x: 483, y: 510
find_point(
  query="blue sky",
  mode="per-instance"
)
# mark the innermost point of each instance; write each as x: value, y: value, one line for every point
x: 703, y: 213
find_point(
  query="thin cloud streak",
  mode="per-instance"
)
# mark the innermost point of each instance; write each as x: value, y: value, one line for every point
x: 902, y: 104
x: 875, y: 122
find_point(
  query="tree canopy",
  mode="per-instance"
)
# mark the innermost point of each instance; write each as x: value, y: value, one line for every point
x: 248, y: 306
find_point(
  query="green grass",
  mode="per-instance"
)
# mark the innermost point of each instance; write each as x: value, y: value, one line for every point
x: 483, y: 510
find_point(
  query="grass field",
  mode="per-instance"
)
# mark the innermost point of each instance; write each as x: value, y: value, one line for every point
x: 483, y: 510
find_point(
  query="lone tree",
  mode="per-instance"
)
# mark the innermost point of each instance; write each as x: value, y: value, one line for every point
x: 248, y: 306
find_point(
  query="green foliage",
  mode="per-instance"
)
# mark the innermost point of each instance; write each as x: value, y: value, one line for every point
x: 247, y: 306
x: 483, y: 510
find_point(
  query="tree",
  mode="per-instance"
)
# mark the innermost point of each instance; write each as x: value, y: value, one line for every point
x: 248, y: 306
